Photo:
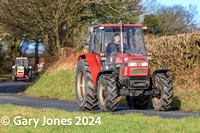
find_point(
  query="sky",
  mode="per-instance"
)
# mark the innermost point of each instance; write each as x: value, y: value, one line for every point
x: 184, y: 3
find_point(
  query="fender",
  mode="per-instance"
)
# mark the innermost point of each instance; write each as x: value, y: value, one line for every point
x: 160, y: 71
x: 100, y: 73
x: 94, y: 63
x: 103, y: 72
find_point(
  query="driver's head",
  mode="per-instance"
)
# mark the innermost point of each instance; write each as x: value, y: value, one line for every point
x: 117, y: 37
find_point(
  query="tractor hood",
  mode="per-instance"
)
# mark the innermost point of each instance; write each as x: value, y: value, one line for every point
x: 132, y: 64
x: 126, y: 58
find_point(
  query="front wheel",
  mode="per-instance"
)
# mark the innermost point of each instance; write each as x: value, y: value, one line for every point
x: 163, y: 83
x: 107, y: 92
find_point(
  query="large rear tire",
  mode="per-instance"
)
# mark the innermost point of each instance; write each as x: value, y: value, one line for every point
x: 140, y: 102
x: 107, y: 93
x: 85, y: 92
x: 164, y: 84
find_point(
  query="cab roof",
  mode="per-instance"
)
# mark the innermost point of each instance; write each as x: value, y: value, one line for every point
x: 21, y: 58
x: 118, y: 25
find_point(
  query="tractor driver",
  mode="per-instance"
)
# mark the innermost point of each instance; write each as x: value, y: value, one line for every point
x: 114, y: 46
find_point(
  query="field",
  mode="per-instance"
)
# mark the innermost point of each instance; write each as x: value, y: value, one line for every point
x: 107, y: 121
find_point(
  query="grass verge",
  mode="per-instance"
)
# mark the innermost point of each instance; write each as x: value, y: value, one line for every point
x: 5, y: 76
x: 59, y: 85
x: 109, y: 122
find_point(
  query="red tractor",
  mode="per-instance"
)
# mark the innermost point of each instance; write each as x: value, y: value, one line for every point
x: 117, y: 64
x: 21, y: 69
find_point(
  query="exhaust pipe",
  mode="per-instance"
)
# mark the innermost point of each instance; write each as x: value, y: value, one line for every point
x: 121, y: 35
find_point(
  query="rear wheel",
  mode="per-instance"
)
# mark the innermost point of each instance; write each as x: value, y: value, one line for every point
x: 138, y: 102
x: 164, y: 84
x: 85, y: 92
x: 107, y: 92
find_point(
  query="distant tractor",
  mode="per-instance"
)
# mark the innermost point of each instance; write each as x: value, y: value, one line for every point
x: 117, y: 64
x: 21, y: 69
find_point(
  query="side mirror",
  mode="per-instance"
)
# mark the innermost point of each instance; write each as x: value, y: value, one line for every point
x: 149, y: 56
x: 90, y: 30
x: 144, y: 27
x: 154, y: 30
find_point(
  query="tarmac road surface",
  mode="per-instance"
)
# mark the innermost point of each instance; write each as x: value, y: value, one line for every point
x: 8, y: 95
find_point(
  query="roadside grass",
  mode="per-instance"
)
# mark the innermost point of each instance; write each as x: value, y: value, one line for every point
x: 109, y: 123
x: 59, y: 85
x: 5, y: 76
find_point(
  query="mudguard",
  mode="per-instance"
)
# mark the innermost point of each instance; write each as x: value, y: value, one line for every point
x: 94, y: 64
x: 160, y: 71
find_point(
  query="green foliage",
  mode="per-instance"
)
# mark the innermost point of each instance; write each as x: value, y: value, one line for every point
x: 9, y: 49
x: 5, y: 76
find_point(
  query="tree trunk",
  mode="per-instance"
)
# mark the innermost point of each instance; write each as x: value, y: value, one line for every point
x: 57, y: 38
x: 36, y: 53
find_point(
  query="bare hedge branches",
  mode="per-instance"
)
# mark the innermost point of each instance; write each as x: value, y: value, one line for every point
x: 180, y: 53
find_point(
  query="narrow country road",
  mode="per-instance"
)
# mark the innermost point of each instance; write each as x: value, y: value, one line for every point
x: 8, y: 95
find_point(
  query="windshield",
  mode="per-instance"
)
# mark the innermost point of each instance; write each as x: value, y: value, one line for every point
x: 133, y: 40
x: 21, y: 62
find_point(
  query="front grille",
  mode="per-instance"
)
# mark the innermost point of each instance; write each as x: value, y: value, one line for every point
x: 137, y: 59
x: 20, y: 69
x: 139, y: 83
x: 138, y: 71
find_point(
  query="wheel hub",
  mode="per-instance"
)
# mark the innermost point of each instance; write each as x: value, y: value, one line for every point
x: 102, y: 94
x: 81, y: 85
x: 158, y: 88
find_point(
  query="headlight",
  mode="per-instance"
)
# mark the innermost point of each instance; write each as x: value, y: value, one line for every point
x: 125, y: 59
x: 132, y: 64
x: 145, y: 64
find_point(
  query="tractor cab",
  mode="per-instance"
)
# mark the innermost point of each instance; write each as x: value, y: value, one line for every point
x: 23, y: 62
x: 103, y: 35
x: 106, y: 40
x: 21, y: 69
x: 117, y: 64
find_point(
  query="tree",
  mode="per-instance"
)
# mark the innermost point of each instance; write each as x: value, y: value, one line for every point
x: 172, y: 19
x: 57, y: 22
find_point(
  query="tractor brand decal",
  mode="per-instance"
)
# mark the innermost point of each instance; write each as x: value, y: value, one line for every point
x: 119, y: 60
